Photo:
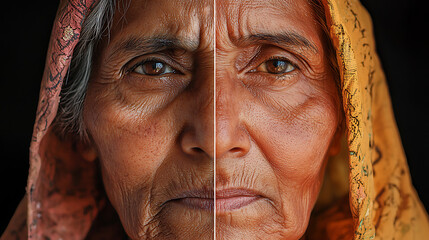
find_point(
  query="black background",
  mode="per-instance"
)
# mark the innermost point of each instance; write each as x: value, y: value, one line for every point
x: 401, y: 42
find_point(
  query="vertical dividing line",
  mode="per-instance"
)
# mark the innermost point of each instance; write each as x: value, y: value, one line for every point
x: 214, y: 120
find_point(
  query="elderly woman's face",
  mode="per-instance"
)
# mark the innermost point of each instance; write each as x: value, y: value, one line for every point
x: 277, y: 112
x: 149, y: 112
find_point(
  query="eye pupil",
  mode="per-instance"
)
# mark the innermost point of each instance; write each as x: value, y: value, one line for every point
x: 276, y: 66
x: 153, y: 67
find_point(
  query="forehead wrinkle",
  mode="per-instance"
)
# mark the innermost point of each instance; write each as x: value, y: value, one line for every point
x: 180, y: 20
x: 288, y: 38
x: 145, y: 45
x: 229, y: 21
x: 206, y: 36
x: 238, y: 20
x: 194, y: 21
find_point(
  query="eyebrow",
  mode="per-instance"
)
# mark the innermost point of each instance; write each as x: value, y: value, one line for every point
x: 287, y: 39
x: 144, y: 45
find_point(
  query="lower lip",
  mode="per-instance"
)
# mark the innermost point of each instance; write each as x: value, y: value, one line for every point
x: 197, y: 203
x: 227, y: 204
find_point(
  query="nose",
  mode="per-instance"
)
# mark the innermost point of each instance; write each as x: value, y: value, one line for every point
x: 232, y: 139
x: 197, y: 137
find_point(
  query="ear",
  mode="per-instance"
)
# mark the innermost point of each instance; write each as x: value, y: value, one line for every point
x: 335, y: 146
x: 87, y: 151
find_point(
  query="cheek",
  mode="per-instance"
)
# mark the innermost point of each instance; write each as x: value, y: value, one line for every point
x: 295, y: 143
x: 127, y: 143
x: 297, y: 150
x: 126, y: 132
x: 295, y: 137
x: 131, y: 147
x: 301, y: 148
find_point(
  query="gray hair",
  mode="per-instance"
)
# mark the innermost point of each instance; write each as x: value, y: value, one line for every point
x: 68, y: 120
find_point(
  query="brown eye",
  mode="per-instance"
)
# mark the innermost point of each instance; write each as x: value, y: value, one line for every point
x: 153, y: 68
x: 276, y: 66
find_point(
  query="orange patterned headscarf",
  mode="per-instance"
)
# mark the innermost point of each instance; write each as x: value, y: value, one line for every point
x: 382, y: 201
x: 382, y: 204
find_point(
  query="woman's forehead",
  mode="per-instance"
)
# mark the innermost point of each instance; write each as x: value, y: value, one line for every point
x: 238, y: 20
x: 187, y: 21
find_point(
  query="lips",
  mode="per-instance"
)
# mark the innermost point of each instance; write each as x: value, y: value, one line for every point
x: 226, y: 200
x: 196, y: 199
x: 233, y: 199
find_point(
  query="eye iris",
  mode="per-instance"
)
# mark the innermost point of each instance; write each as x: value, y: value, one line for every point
x: 153, y: 67
x: 276, y: 66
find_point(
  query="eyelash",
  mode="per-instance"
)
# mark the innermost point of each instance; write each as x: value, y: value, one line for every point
x: 280, y: 58
x: 154, y: 59
x: 151, y: 59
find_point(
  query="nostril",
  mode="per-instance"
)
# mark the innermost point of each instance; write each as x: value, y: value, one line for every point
x: 197, y: 150
x: 235, y: 150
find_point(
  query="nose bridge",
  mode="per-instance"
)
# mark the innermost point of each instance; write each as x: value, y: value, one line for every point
x: 198, y: 135
x: 204, y: 91
x: 230, y: 134
x: 225, y: 102
x: 204, y: 123
x: 204, y: 116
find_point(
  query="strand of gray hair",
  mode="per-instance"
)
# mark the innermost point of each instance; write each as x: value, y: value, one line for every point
x: 69, y: 119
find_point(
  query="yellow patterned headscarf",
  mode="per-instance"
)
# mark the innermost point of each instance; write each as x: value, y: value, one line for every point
x: 382, y: 201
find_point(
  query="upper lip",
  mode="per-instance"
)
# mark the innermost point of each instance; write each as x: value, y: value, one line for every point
x: 179, y: 188
x: 236, y: 192
x: 222, y: 193
x: 196, y: 193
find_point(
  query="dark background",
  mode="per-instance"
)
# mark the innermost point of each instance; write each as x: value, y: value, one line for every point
x: 402, y: 44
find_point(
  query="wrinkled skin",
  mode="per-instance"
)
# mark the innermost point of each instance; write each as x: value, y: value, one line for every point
x: 149, y: 113
x: 277, y: 118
